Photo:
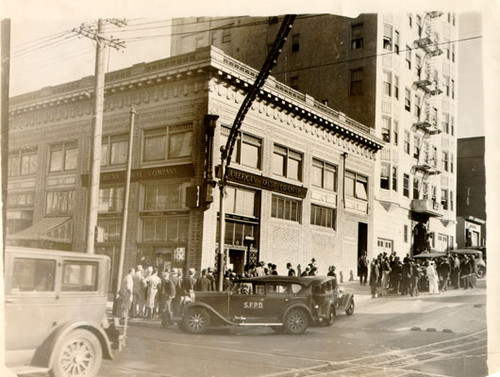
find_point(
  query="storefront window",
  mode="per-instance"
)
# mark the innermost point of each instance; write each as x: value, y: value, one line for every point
x: 59, y: 202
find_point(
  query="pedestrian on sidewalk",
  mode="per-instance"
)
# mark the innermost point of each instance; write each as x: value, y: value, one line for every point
x: 415, y: 277
x: 432, y: 278
x: 374, y: 275
x: 444, y: 273
x: 363, y: 268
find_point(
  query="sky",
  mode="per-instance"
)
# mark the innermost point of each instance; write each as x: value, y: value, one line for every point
x: 45, y: 50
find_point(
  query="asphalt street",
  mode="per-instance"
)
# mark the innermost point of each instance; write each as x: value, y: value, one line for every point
x: 429, y: 335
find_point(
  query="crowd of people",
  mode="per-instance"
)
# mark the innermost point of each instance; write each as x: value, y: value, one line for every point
x: 149, y: 293
x: 389, y: 275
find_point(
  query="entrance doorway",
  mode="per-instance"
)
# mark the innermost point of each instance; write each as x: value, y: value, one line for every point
x: 237, y: 260
x: 362, y: 240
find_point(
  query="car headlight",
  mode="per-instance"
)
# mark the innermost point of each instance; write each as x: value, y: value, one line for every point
x: 316, y: 306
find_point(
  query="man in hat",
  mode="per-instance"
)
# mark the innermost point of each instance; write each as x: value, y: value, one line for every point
x: 203, y: 283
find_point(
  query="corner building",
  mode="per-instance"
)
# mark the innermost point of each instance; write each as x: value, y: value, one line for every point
x: 300, y: 182
x: 395, y: 73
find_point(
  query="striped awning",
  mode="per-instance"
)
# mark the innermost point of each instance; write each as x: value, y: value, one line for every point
x: 57, y: 229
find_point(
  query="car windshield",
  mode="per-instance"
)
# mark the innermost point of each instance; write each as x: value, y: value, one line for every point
x: 325, y: 287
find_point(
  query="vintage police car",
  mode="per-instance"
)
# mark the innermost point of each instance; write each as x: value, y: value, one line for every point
x: 286, y: 304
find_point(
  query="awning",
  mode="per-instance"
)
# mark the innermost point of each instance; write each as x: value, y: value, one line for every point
x: 57, y: 229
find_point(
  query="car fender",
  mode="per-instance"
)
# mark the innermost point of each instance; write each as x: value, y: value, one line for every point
x: 300, y: 306
x: 44, y: 355
x: 210, y: 309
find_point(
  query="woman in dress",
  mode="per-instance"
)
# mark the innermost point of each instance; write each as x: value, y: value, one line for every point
x: 432, y: 276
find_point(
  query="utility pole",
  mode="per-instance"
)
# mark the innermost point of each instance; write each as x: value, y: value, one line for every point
x: 4, y: 135
x: 227, y: 150
x: 97, y: 119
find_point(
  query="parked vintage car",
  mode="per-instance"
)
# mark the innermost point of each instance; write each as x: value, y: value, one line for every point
x: 286, y: 304
x: 476, y: 253
x: 55, y: 312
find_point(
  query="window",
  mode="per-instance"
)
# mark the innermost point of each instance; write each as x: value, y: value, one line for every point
x: 166, y: 143
x: 406, y: 185
x: 419, y: 25
x: 356, y: 83
x: 23, y: 163
x: 356, y: 36
x: 386, y: 129
x: 447, y: 48
x: 384, y: 175
x: 453, y: 53
x: 416, y: 103
x: 111, y: 199
x: 446, y: 123
x: 394, y: 178
x: 287, y: 163
x: 396, y: 87
x: 33, y: 275
x: 416, y: 147
x: 396, y: 42
x: 434, y: 116
x: 447, y: 85
x: 247, y: 149
x: 165, y: 229
x: 226, y: 36
x: 452, y: 126
x: 285, y: 208
x: 356, y: 185
x: 240, y: 201
x: 114, y: 150
x: 410, y: 21
x: 451, y: 163
x: 405, y: 233
x: 415, y: 188
x: 109, y: 230
x: 63, y: 157
x: 295, y: 42
x: 21, y: 199
x: 407, y: 99
x: 324, y: 175
x: 408, y: 57
x: 387, y: 37
x: 387, y: 83
x: 444, y: 199
x: 418, y: 65
x: 452, y: 88
x: 160, y: 197
x: 294, y: 82
x: 451, y: 200
x: 79, y: 276
x: 59, y: 202
x: 406, y: 145
x: 18, y: 220
x: 445, y: 161
x: 395, y: 132
x: 323, y: 216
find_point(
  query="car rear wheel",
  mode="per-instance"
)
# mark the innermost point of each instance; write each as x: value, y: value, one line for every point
x: 296, y: 322
x: 350, y: 308
x: 196, y: 321
x: 481, y: 272
x: 78, y: 354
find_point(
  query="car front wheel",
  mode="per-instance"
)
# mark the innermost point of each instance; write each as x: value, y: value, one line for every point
x: 79, y: 354
x: 328, y: 321
x: 481, y: 272
x: 296, y: 321
x: 196, y: 321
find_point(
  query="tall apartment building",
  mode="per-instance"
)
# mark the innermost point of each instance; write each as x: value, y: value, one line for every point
x: 394, y: 73
x: 300, y: 185
x: 471, y: 192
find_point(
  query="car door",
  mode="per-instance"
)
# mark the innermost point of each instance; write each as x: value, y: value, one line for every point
x: 279, y: 295
x: 247, y: 302
x: 31, y: 301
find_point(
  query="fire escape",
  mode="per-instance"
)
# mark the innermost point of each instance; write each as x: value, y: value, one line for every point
x: 426, y: 125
